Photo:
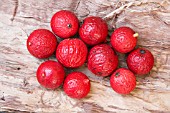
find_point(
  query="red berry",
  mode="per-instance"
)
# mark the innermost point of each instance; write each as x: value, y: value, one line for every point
x: 77, y: 85
x: 71, y: 52
x: 50, y: 74
x: 93, y: 31
x: 41, y: 43
x: 140, y: 61
x: 102, y: 60
x: 123, y: 81
x: 64, y: 24
x: 124, y: 39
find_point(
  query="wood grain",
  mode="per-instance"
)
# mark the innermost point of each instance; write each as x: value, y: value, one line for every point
x: 19, y: 89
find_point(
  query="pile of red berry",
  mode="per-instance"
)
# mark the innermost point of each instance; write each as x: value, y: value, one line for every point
x: 72, y: 52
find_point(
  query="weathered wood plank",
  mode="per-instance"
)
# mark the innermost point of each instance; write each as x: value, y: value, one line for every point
x: 19, y: 90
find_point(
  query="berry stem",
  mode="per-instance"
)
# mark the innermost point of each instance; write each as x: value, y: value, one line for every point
x: 86, y: 81
x: 135, y: 35
x: 142, y: 51
x: 43, y: 75
x: 117, y: 74
x: 69, y: 25
x: 29, y: 43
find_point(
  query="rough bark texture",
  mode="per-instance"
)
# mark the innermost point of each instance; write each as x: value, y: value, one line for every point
x: 19, y: 89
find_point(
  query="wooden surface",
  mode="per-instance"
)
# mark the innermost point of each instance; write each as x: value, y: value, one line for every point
x: 19, y: 89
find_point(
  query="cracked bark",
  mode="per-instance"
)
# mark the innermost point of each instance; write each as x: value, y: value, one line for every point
x: 16, y: 2
x: 19, y: 89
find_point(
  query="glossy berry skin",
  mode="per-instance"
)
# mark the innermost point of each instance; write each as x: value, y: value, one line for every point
x: 77, y: 85
x: 64, y: 24
x: 71, y: 53
x: 41, y: 43
x: 50, y: 74
x: 124, y: 39
x: 140, y: 61
x: 102, y: 60
x: 93, y: 31
x: 123, y: 81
